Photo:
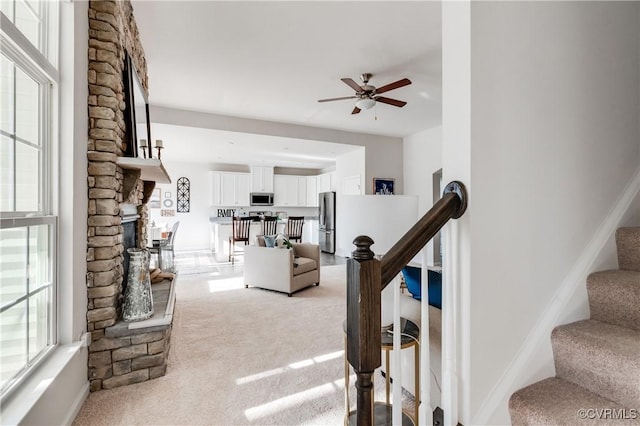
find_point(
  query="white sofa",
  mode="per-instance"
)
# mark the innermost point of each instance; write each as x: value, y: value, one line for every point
x: 410, y: 309
x: 277, y: 268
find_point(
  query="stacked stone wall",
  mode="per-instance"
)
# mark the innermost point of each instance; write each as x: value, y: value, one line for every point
x: 119, y: 361
x: 112, y: 31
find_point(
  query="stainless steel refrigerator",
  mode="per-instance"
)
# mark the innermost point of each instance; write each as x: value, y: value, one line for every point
x: 327, y: 222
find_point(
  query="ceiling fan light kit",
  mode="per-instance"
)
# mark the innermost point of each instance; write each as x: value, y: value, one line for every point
x: 365, y: 103
x: 368, y: 95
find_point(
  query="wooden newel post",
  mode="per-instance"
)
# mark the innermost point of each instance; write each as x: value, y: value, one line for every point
x: 363, y: 323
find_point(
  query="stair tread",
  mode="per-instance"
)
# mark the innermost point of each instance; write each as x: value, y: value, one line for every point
x: 614, y: 296
x: 557, y: 401
x: 628, y: 244
x: 623, y: 275
x: 601, y: 357
x: 597, y: 335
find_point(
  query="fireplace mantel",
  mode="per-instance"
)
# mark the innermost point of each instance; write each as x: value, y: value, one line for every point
x: 151, y: 169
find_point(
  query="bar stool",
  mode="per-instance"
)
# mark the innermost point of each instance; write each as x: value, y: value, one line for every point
x: 269, y: 225
x: 294, y: 228
x: 240, y: 227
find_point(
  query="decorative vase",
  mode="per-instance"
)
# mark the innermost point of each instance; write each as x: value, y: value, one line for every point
x: 138, y: 301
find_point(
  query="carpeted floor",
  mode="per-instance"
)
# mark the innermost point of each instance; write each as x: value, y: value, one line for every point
x: 242, y: 356
x: 195, y: 262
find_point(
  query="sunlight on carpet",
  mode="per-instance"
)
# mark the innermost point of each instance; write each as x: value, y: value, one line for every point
x: 293, y: 400
x: 226, y: 284
x: 196, y: 262
x: 295, y: 366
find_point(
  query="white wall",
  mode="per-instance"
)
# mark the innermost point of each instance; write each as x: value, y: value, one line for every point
x: 350, y: 165
x: 554, y: 110
x: 384, y: 160
x: 384, y: 218
x: 347, y: 166
x: 422, y: 158
x: 194, y: 230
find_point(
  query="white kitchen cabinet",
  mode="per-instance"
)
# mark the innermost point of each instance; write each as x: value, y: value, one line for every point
x: 242, y: 189
x: 216, y: 188
x: 229, y: 189
x: 301, y: 199
x: 261, y: 179
x: 324, y: 183
x: 312, y: 191
x: 279, y: 190
x: 290, y: 191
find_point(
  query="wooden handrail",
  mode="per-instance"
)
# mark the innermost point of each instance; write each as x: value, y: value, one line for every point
x: 451, y: 206
x: 367, y: 276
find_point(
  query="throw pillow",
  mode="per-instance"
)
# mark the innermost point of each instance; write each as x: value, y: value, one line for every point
x: 270, y: 240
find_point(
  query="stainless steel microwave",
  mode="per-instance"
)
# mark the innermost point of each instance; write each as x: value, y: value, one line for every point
x: 262, y: 198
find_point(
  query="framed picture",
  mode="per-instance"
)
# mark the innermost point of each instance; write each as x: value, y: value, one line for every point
x: 167, y: 194
x: 383, y: 186
x: 154, y: 200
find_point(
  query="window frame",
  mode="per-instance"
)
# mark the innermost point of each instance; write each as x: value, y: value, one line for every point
x: 45, y: 134
x: 40, y: 64
x: 52, y: 332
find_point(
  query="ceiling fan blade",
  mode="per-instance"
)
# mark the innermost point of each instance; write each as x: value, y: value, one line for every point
x: 356, y: 110
x: 349, y: 82
x: 337, y: 99
x: 390, y: 101
x: 394, y: 85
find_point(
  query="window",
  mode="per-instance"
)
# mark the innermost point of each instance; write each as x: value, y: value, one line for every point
x: 28, y: 230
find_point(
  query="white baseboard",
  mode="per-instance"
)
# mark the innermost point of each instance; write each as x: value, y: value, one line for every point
x: 77, y: 404
x: 540, y: 334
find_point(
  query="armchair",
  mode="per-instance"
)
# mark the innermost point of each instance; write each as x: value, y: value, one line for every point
x: 277, y: 269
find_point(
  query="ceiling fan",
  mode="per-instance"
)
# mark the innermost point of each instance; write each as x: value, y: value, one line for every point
x: 368, y: 95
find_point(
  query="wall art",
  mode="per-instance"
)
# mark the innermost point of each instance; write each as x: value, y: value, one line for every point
x: 383, y: 186
x: 184, y: 195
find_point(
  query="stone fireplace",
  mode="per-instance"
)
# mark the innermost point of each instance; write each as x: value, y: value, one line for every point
x: 120, y: 353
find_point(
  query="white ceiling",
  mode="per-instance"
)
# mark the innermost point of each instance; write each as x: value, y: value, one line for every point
x: 274, y: 60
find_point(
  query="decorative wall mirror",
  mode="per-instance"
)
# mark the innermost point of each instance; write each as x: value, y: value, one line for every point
x: 136, y: 113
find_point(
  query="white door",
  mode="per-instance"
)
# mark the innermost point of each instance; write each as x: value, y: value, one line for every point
x: 351, y: 185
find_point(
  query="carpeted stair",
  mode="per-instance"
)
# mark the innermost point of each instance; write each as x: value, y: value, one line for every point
x: 597, y: 360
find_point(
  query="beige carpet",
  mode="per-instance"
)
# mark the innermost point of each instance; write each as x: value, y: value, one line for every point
x: 243, y: 356
x: 597, y: 360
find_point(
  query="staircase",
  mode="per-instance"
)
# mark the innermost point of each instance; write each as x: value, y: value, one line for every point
x: 597, y: 360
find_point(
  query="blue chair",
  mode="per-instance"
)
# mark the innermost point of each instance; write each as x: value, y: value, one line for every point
x: 412, y: 277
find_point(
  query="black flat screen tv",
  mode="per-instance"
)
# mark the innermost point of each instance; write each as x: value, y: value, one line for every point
x: 136, y: 114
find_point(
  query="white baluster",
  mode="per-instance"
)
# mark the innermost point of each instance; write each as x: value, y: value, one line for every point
x: 449, y: 327
x: 425, y: 412
x: 396, y: 417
